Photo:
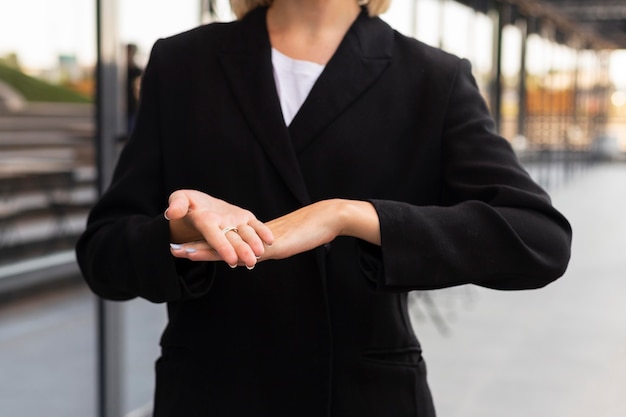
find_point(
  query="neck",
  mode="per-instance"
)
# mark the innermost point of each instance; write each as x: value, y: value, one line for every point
x: 310, y: 29
x: 313, y: 14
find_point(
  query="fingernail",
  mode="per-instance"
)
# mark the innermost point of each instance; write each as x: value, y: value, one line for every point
x: 233, y: 266
x: 165, y: 215
x: 258, y: 257
x: 191, y: 250
x: 176, y: 246
x: 250, y: 268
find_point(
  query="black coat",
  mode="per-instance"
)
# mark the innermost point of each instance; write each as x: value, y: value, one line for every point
x: 324, y: 333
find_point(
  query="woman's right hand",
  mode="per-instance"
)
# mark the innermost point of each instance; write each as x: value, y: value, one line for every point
x: 230, y: 233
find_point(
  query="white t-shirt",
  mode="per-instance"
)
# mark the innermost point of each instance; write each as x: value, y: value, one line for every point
x: 294, y: 80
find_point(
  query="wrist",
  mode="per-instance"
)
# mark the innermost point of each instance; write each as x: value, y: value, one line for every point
x: 359, y: 219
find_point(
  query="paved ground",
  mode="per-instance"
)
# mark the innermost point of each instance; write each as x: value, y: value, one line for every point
x: 555, y: 352
x: 48, y: 348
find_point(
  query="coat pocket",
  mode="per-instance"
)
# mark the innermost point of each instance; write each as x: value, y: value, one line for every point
x: 399, y: 356
x: 388, y: 382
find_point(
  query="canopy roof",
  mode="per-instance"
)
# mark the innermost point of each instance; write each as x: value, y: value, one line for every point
x: 597, y: 24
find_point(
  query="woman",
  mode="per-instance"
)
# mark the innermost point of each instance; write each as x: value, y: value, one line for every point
x: 300, y: 219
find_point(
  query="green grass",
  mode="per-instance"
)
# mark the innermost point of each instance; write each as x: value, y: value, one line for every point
x: 37, y: 90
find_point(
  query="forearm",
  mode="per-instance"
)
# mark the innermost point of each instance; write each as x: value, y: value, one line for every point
x: 128, y: 258
x: 428, y: 247
x: 360, y: 220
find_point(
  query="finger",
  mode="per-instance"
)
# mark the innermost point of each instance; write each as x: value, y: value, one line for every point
x: 250, y: 236
x: 190, y: 246
x: 216, y: 238
x: 243, y: 249
x: 262, y: 231
x: 178, y: 205
x: 195, y: 251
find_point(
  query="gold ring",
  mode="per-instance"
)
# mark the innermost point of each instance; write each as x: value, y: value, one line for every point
x: 230, y: 229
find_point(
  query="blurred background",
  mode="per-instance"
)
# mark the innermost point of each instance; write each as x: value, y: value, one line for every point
x: 554, y: 75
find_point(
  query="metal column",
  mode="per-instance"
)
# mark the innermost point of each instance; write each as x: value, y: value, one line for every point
x: 108, y: 129
x: 442, y: 23
x: 522, y: 93
x: 207, y: 10
x: 495, y: 92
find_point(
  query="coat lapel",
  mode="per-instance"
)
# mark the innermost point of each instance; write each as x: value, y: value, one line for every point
x: 246, y: 59
x: 362, y: 56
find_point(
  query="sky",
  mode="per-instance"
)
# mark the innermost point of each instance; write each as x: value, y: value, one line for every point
x: 40, y: 30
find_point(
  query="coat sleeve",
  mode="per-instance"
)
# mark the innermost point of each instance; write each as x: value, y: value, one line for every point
x: 124, y: 251
x: 494, y: 226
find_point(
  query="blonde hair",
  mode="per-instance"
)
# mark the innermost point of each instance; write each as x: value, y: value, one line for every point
x: 241, y: 7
